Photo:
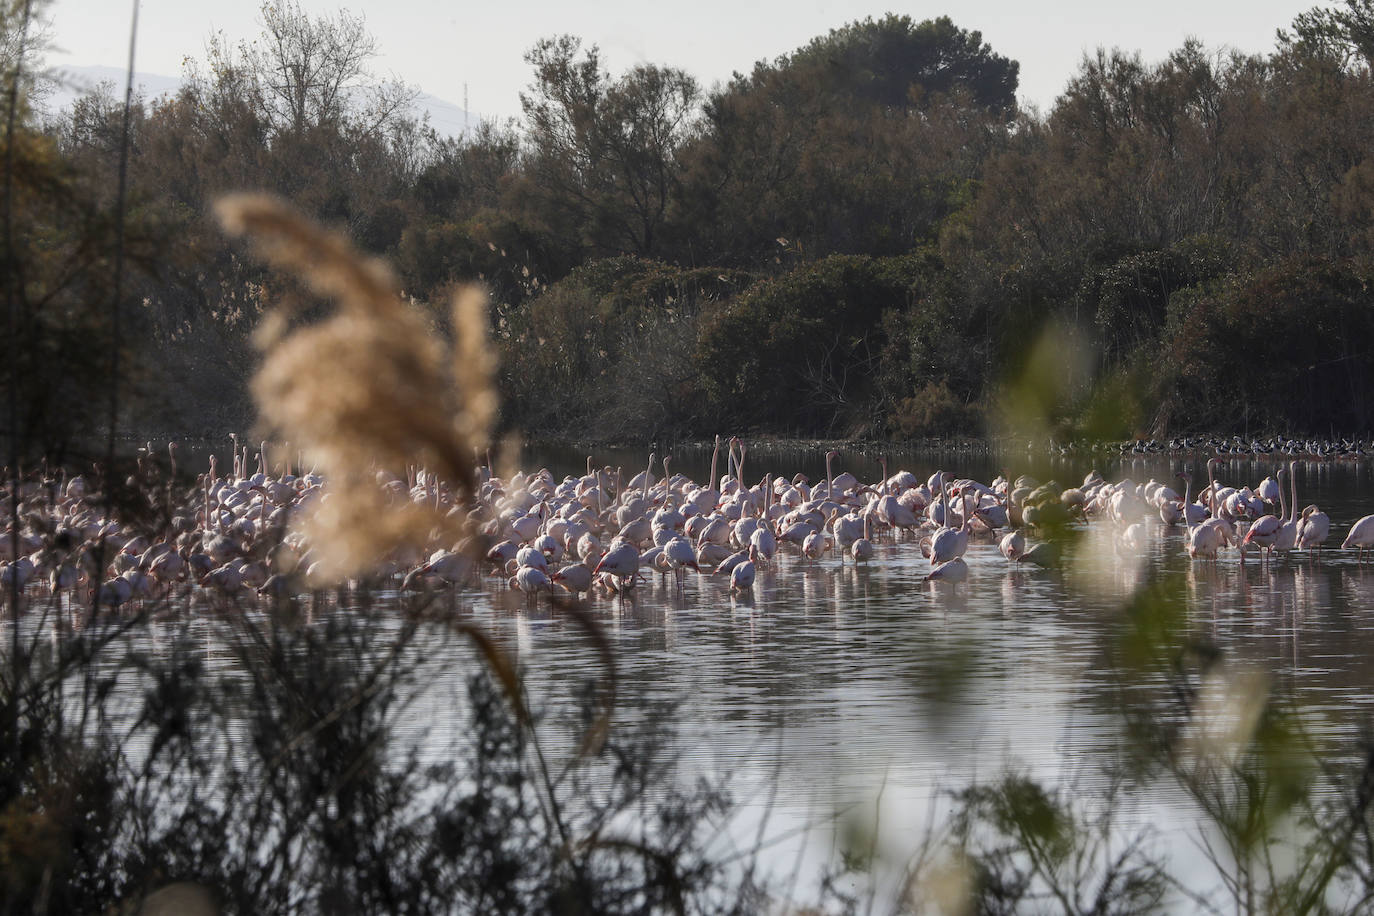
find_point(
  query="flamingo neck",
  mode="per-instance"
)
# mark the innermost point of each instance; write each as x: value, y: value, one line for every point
x: 1187, y: 501
x: 944, y: 497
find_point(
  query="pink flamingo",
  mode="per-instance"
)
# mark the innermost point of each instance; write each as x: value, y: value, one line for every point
x: 742, y: 576
x: 1361, y: 535
x: 950, y: 543
x: 1204, y: 539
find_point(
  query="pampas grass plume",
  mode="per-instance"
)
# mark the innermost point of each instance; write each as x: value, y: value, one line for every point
x: 366, y: 389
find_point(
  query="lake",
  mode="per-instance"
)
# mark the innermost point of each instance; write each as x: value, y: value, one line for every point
x: 844, y: 704
x: 860, y: 696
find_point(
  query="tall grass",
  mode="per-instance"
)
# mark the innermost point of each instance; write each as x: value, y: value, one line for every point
x: 367, y: 389
x: 289, y: 781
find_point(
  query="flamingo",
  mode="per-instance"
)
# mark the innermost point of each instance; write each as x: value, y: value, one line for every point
x: 449, y: 566
x: 705, y: 499
x: 165, y: 565
x: 531, y: 581
x: 844, y: 482
x: 1045, y: 555
x: 576, y: 577
x: 994, y: 516
x: 1191, y: 536
x: 1012, y: 545
x: 742, y: 576
x: 1267, y: 528
x: 1134, y: 537
x: 727, y: 565
x: 65, y: 577
x: 862, y: 548
x: 949, y: 543
x: 952, y: 571
x: 503, y: 552
x: 1361, y: 535
x: 1263, y: 534
x: 830, y: 456
x: 814, y: 545
x: 890, y: 511
x: 1207, y: 537
x: 764, y: 542
x: 550, y: 545
x: 638, y: 530
x: 1314, y: 529
x: 796, y: 532
x: 847, y: 530
x: 20, y: 572
x: 227, y: 579
x: 1287, y: 537
x: 709, y: 554
x: 531, y: 556
x: 114, y: 592
x: 621, y: 561
x: 1270, y: 490
x: 677, y: 554
x: 1216, y: 500
x: 643, y: 482
x: 1170, y: 513
x: 276, y: 587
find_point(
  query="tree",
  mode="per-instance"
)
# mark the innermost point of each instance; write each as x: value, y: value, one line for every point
x: 860, y: 142
x: 25, y: 34
x: 1342, y: 35
x: 1305, y: 329
x: 603, y: 152
x: 304, y: 72
x: 463, y: 176
x: 297, y: 113
x: 902, y: 64
x: 810, y: 351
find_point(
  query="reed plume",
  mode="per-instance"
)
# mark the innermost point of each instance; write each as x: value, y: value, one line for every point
x: 367, y: 391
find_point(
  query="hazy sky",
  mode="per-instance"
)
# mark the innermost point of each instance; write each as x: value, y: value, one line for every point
x: 441, y: 46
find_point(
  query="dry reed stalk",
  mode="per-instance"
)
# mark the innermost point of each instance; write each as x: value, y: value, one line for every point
x: 365, y: 389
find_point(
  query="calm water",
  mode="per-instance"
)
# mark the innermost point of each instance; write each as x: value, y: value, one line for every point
x: 860, y: 693
x: 835, y: 694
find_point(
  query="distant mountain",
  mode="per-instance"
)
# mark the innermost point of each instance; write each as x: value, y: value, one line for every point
x: 74, y: 82
x: 448, y: 119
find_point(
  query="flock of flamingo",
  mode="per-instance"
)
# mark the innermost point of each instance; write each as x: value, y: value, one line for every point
x: 602, y: 534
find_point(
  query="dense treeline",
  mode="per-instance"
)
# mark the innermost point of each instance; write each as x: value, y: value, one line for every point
x: 866, y: 237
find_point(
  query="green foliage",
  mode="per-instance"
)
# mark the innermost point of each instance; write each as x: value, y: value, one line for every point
x: 286, y: 786
x: 611, y: 348
x: 60, y: 269
x: 630, y: 286
x: 1031, y: 846
x: 603, y: 165
x: 1129, y: 297
x: 1147, y: 186
x: 898, y: 63
x: 859, y: 143
x: 1341, y: 35
x: 1246, y: 352
x: 804, y: 351
x: 935, y: 412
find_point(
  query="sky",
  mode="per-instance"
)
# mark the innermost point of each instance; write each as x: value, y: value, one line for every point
x: 452, y: 49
